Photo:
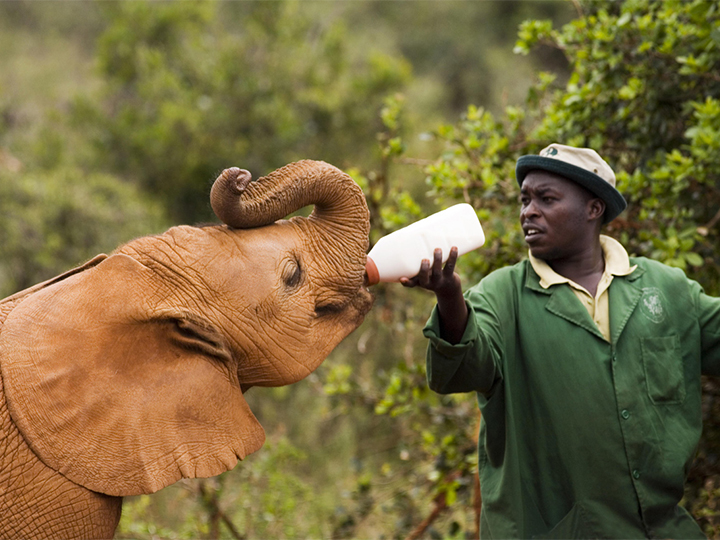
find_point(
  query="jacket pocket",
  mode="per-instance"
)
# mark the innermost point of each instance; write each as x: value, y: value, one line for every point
x: 573, y: 525
x: 664, y: 375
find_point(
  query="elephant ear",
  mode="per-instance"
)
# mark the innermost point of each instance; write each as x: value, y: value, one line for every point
x: 117, y: 401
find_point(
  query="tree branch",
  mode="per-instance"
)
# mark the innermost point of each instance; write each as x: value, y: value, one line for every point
x: 439, y: 507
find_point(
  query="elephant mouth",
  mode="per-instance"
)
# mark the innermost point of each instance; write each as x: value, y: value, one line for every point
x: 360, y: 306
x: 354, y: 309
x: 364, y: 300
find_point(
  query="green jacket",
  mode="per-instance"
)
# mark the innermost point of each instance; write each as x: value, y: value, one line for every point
x: 581, y: 438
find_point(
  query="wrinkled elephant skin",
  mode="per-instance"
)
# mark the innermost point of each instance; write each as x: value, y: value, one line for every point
x: 127, y: 374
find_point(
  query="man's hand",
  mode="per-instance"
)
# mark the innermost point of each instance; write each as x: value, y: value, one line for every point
x: 446, y: 285
x: 434, y: 277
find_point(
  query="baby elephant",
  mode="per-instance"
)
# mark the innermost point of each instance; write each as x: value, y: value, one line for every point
x: 126, y: 374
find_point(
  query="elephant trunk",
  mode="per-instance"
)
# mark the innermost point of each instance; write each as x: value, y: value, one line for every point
x: 340, y: 211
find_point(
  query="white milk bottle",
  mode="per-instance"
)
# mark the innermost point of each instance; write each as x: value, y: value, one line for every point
x: 400, y: 254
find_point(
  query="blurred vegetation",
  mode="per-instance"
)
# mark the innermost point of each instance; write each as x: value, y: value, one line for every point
x: 56, y: 219
x: 116, y: 117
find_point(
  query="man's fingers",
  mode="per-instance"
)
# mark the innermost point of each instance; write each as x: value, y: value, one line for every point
x: 423, y: 278
x: 437, y: 263
x: 452, y: 259
x: 432, y: 275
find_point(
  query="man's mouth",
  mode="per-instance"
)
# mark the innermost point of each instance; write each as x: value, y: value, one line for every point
x: 532, y: 233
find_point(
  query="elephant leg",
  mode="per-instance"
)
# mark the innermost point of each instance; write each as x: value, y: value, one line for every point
x: 38, y: 502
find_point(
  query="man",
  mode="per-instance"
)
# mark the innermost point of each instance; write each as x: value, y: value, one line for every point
x: 586, y: 365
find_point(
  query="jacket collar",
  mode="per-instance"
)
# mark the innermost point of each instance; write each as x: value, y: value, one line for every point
x: 624, y: 298
x: 562, y: 302
x: 617, y: 263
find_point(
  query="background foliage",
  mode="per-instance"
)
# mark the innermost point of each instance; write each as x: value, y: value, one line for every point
x: 122, y: 127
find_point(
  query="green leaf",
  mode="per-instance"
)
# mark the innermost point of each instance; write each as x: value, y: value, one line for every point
x: 694, y: 259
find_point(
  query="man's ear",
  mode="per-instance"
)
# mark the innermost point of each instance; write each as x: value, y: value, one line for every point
x: 595, y: 209
x: 117, y: 401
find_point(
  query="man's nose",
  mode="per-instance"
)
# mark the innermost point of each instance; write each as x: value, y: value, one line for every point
x: 529, y: 210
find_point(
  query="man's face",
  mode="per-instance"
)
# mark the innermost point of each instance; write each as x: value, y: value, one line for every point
x: 555, y: 216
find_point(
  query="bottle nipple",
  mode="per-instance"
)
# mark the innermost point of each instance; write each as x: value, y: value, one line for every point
x: 372, y: 276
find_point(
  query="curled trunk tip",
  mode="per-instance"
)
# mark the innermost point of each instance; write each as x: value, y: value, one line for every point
x: 227, y: 188
x: 240, y: 203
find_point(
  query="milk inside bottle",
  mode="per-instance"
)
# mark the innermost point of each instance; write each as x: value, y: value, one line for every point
x: 400, y: 254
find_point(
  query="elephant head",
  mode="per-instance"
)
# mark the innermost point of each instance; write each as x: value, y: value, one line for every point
x: 128, y: 374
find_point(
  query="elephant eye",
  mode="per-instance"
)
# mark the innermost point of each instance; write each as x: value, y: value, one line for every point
x: 292, y: 273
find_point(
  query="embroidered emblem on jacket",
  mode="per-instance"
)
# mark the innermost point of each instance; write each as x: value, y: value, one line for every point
x: 652, y: 304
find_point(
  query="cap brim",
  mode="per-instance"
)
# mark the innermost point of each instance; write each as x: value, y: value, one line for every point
x: 614, y: 202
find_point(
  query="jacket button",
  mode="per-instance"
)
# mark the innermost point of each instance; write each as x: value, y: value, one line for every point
x: 625, y: 414
x: 636, y: 474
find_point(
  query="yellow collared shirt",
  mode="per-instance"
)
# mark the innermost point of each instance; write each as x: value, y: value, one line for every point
x: 617, y: 263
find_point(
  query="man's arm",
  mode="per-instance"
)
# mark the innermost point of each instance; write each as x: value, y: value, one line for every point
x: 446, y: 285
x: 458, y: 357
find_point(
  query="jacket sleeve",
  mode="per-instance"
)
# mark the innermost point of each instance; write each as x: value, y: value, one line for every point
x: 473, y: 363
x: 708, y: 308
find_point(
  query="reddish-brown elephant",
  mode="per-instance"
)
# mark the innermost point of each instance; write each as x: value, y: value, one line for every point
x: 127, y: 374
